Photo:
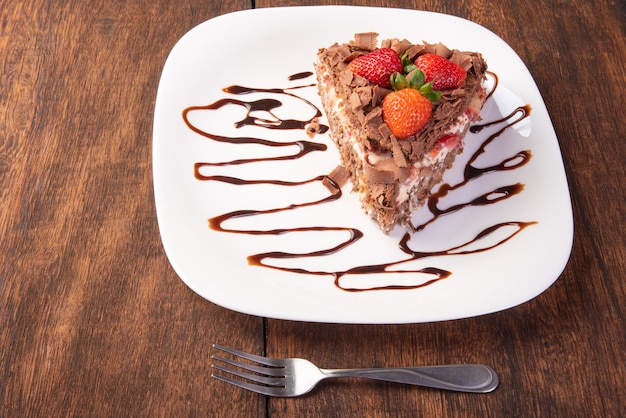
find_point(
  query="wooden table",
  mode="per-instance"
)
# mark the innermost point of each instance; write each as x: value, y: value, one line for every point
x: 94, y: 321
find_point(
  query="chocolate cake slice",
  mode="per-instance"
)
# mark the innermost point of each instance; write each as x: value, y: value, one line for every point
x: 394, y: 173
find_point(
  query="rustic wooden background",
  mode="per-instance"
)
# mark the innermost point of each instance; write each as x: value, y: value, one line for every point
x: 94, y: 321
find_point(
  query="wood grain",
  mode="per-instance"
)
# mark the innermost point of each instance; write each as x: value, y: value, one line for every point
x: 560, y: 354
x: 94, y: 321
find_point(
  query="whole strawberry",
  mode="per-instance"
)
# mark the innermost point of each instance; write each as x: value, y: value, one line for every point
x: 444, y: 74
x: 377, y: 66
x: 406, y: 111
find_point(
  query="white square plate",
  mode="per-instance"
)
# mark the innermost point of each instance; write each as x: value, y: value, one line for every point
x: 261, y: 48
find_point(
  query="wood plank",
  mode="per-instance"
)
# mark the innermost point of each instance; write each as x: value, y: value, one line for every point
x: 94, y: 321
x: 560, y: 354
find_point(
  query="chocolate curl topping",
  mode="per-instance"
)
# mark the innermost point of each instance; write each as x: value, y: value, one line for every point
x: 367, y: 40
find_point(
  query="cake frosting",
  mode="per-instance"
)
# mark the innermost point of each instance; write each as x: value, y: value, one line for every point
x: 394, y: 176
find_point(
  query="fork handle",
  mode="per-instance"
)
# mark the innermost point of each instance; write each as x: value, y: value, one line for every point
x: 476, y: 378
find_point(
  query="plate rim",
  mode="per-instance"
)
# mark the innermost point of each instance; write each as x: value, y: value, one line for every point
x: 157, y: 186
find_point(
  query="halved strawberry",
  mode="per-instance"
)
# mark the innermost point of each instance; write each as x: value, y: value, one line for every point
x: 377, y: 66
x: 446, y: 141
x: 444, y: 74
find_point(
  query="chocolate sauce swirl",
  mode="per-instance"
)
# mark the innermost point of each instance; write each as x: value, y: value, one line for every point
x: 267, y: 105
x: 472, y: 172
x: 305, y: 147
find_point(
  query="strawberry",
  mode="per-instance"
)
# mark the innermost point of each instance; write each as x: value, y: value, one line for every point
x: 446, y: 141
x: 444, y: 74
x: 377, y: 66
x: 406, y: 111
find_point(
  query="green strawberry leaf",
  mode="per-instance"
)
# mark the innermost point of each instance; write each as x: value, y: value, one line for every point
x: 398, y: 81
x: 416, y: 79
x: 407, y: 64
x: 428, y: 92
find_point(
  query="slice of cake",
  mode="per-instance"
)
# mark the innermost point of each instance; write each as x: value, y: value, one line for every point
x: 398, y: 113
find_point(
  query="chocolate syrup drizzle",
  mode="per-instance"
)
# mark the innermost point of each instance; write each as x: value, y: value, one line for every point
x: 267, y: 105
x: 471, y: 172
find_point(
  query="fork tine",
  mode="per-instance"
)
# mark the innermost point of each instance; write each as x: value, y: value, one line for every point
x: 264, y: 380
x: 270, y: 371
x: 264, y: 390
x: 259, y: 359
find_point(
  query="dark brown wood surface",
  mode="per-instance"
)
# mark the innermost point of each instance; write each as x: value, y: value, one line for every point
x: 94, y: 321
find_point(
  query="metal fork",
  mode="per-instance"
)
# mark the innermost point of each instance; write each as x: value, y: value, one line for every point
x: 294, y: 376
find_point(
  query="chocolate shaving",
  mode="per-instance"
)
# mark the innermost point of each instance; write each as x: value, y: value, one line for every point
x: 367, y: 40
x: 339, y: 175
x: 375, y: 175
x: 398, y: 156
